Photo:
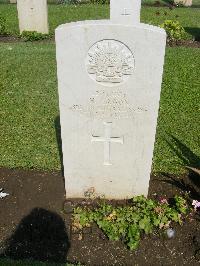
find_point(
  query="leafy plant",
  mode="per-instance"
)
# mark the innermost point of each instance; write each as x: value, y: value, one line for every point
x: 128, y: 223
x: 181, y: 204
x: 174, y: 30
x: 101, y: 2
x: 33, y: 36
x: 3, y: 27
x: 69, y: 2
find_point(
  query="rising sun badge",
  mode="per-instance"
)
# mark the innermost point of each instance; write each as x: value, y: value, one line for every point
x: 110, y: 61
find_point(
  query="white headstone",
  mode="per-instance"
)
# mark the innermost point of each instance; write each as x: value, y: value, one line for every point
x: 109, y: 80
x: 13, y: 1
x: 33, y: 15
x: 125, y: 11
x: 184, y: 2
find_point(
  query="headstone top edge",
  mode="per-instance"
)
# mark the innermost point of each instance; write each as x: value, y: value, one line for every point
x: 108, y: 23
x: 84, y: 22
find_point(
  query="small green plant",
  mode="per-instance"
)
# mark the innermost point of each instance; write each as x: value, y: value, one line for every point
x: 181, y: 204
x: 33, y: 36
x: 174, y: 30
x: 128, y: 223
x: 101, y: 2
x: 3, y: 30
x: 68, y: 2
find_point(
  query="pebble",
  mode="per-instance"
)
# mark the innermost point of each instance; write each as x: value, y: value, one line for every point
x: 170, y: 233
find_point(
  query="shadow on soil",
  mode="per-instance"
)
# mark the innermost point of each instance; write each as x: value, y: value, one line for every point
x: 59, y: 141
x: 195, y: 32
x: 190, y: 183
x: 168, y: 2
x: 40, y: 236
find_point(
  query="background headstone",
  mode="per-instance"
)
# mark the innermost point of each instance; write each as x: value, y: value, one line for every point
x: 184, y: 2
x: 33, y: 15
x: 109, y: 80
x: 13, y: 1
x: 125, y: 11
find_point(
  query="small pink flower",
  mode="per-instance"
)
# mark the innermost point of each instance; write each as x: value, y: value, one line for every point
x: 196, y: 204
x: 163, y: 201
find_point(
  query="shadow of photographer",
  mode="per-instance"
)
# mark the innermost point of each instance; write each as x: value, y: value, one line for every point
x: 40, y: 236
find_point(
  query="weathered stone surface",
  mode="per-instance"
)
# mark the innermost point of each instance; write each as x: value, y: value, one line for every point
x: 33, y: 15
x: 109, y: 79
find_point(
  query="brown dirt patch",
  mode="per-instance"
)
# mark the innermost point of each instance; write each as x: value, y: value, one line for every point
x: 185, y: 43
x: 9, y: 39
x: 15, y: 39
x: 33, y: 224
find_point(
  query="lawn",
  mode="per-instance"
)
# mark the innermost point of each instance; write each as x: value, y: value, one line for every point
x: 29, y: 112
x: 166, y: 2
x: 29, y: 108
x: 59, y: 14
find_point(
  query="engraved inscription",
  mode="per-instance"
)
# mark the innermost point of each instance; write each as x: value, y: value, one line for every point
x: 110, y: 62
x: 107, y: 140
x: 105, y: 105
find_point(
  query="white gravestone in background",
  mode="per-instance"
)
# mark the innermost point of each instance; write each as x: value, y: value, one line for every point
x: 13, y: 1
x: 109, y: 79
x: 33, y: 15
x: 125, y: 11
x: 184, y: 2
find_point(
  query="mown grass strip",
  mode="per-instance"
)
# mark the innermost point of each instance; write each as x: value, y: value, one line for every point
x: 29, y: 108
x: 59, y: 14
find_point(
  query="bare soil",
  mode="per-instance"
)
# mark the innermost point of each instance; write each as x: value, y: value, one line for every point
x: 35, y: 223
x: 185, y: 43
x: 15, y: 39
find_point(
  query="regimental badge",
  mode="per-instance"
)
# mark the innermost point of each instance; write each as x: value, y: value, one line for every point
x: 110, y: 61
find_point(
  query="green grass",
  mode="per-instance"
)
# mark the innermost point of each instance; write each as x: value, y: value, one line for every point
x: 7, y: 262
x: 178, y: 124
x: 165, y: 2
x: 151, y: 2
x: 59, y: 14
x: 29, y: 107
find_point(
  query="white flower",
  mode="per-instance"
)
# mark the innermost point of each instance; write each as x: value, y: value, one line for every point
x: 196, y: 204
x: 3, y: 194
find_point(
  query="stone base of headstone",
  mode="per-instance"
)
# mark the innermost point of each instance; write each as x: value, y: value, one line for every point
x: 70, y: 204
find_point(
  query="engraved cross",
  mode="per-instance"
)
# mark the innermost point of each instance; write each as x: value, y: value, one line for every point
x: 107, y: 139
x: 125, y: 12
